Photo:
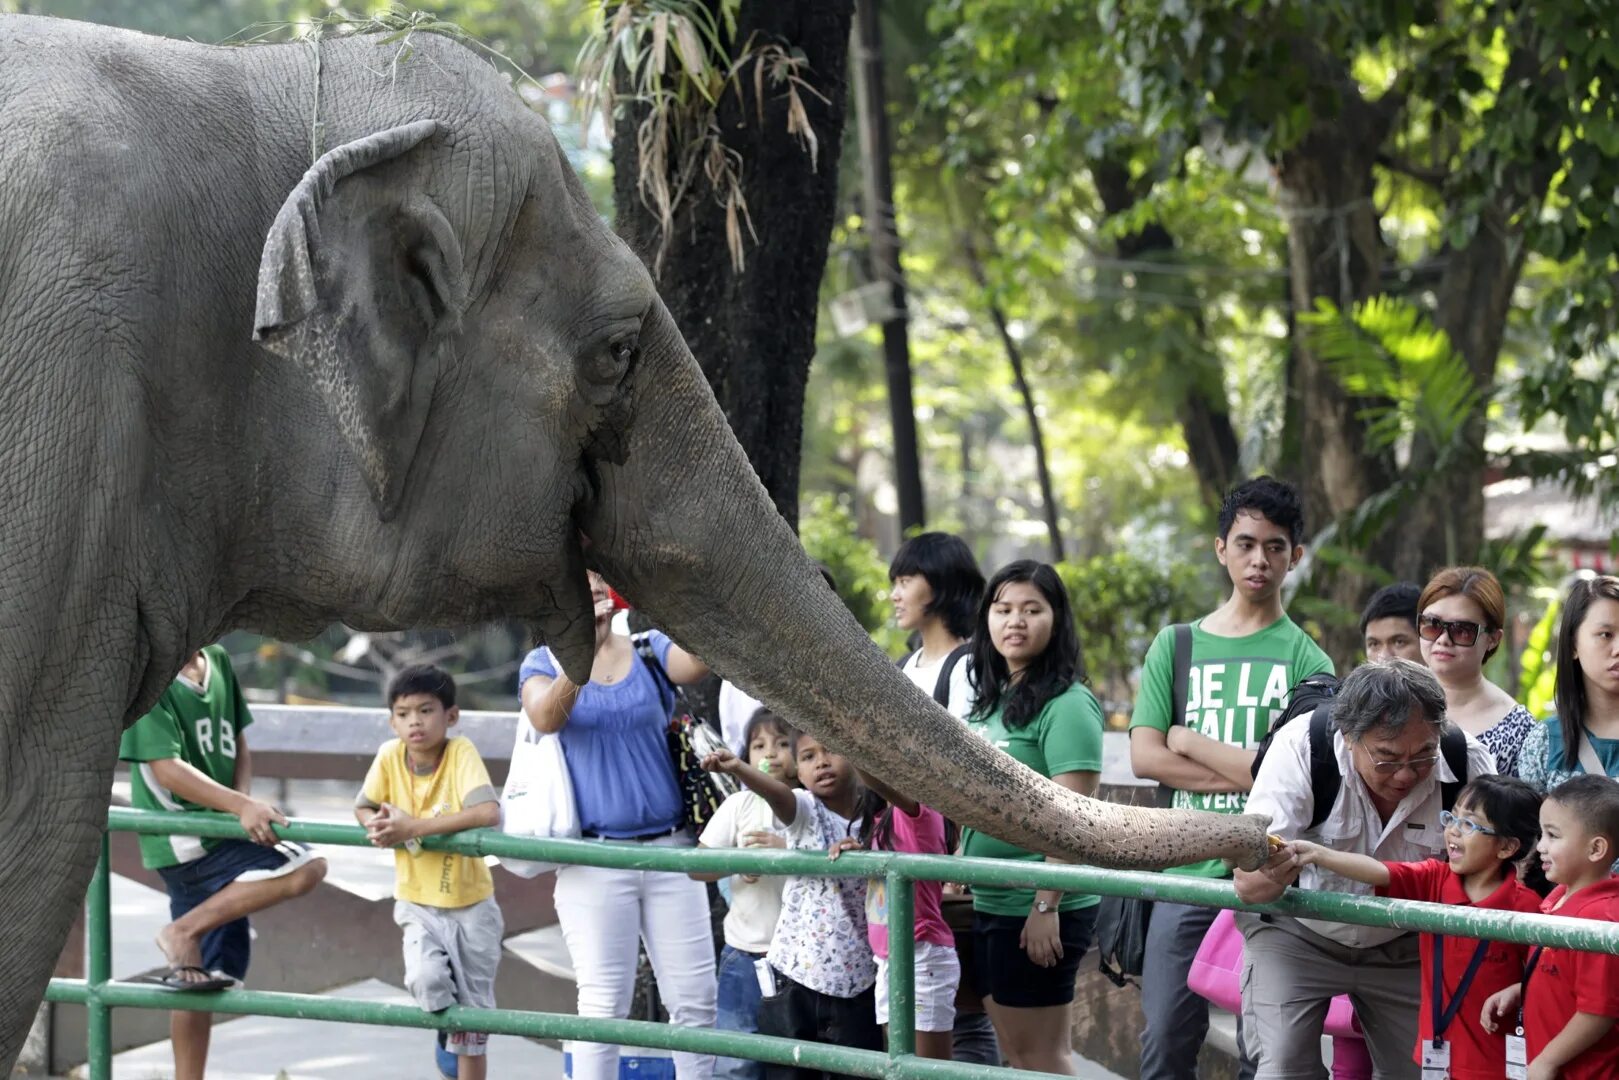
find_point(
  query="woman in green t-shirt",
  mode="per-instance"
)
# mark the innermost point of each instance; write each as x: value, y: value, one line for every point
x: 1032, y: 703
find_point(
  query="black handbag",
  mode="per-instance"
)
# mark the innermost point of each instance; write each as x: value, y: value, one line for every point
x: 690, y: 740
x: 1121, y: 937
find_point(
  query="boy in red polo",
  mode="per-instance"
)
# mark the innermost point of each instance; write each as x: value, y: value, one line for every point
x: 1570, y: 999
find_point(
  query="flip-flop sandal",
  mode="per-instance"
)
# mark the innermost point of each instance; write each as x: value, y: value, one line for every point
x: 171, y: 979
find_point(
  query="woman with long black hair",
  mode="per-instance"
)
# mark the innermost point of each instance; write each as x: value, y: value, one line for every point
x: 1584, y: 735
x: 1032, y: 703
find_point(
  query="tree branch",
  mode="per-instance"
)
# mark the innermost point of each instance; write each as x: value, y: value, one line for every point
x: 1431, y: 175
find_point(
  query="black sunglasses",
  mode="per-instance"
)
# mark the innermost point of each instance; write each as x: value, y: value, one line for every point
x: 1432, y: 628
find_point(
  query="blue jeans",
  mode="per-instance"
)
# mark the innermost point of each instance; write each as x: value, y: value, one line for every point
x: 737, y: 1009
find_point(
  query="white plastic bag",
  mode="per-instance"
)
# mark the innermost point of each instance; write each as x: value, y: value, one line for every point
x: 538, y: 797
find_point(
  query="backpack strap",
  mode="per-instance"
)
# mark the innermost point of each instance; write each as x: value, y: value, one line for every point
x: 941, y: 688
x: 1325, y: 779
x: 1183, y: 673
x: 1453, y: 747
x: 668, y: 692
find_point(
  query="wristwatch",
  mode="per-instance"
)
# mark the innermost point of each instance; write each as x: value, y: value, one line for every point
x: 1044, y: 907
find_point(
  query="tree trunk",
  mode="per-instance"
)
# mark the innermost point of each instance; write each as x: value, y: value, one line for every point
x: 753, y: 330
x: 1204, y: 411
x: 1473, y: 300
x: 1014, y: 357
x: 882, y: 226
x: 1334, y: 251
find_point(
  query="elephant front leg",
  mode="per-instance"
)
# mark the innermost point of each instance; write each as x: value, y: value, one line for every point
x: 55, y: 779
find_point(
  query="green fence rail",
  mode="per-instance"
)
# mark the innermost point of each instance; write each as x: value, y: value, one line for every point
x: 100, y: 994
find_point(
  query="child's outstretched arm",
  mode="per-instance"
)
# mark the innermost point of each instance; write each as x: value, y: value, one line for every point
x: 903, y: 803
x: 778, y: 795
x: 1362, y: 868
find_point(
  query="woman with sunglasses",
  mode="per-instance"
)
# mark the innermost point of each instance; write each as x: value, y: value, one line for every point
x: 1584, y: 735
x: 1460, y: 616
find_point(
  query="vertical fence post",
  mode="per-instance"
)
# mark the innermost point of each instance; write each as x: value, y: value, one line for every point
x: 98, y: 966
x: 901, y: 965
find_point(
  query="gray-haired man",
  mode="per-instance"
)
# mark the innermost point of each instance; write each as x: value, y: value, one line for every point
x: 1388, y: 720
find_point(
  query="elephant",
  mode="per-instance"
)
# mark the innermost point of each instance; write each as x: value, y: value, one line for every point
x: 330, y: 331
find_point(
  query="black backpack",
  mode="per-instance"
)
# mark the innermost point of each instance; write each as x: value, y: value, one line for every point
x: 1308, y: 694
x: 1326, y: 781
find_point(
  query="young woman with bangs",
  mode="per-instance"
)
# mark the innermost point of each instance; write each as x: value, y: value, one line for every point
x: 1032, y: 703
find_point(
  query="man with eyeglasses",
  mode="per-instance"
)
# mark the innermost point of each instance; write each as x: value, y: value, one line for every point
x: 1388, y: 719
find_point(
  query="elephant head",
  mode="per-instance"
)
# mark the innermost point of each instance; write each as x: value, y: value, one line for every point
x: 518, y: 405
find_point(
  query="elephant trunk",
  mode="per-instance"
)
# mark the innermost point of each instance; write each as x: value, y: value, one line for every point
x: 683, y: 527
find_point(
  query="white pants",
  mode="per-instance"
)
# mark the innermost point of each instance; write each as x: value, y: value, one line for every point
x: 605, y: 915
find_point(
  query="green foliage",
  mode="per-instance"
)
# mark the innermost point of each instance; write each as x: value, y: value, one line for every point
x: 1121, y: 601
x: 827, y: 529
x: 1389, y: 354
x: 673, y: 61
x: 1537, y: 682
x: 1417, y: 392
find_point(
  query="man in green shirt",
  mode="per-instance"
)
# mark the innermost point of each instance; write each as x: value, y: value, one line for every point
x: 190, y: 753
x: 1245, y: 657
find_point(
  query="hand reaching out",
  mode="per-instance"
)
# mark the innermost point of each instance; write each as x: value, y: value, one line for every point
x: 723, y: 760
x: 1307, y: 853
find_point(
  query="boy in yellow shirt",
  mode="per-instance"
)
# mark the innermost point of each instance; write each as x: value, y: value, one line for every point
x: 425, y: 783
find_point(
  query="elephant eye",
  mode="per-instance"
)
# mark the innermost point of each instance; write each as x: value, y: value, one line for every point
x: 624, y: 349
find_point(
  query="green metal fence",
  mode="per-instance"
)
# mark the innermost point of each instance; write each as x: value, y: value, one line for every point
x: 100, y: 994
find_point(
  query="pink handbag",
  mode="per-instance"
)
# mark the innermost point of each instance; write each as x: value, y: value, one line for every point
x: 1217, y: 975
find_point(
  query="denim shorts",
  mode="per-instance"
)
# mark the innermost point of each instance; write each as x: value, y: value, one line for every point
x: 225, y: 948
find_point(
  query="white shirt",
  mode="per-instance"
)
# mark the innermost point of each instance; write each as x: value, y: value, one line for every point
x: 926, y: 677
x: 736, y: 708
x: 755, y: 905
x: 1282, y: 793
x: 821, y: 939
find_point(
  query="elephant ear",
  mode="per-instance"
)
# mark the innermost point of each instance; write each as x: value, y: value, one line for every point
x: 361, y: 281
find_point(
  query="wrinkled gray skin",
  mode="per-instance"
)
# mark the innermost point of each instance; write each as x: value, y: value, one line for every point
x: 423, y: 384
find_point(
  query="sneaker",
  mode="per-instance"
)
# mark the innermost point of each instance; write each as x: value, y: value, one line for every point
x: 447, y: 1065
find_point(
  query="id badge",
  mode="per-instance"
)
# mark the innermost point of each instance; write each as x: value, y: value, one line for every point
x: 1435, y: 1060
x: 766, y: 976
x: 1517, y: 1057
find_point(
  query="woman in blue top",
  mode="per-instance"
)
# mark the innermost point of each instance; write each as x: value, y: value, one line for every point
x: 613, y: 735
x: 1586, y: 727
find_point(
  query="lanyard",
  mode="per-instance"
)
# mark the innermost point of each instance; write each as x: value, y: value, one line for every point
x: 1444, y: 1014
x: 1523, y: 987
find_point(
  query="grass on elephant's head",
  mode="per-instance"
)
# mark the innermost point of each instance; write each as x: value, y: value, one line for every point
x: 398, y: 25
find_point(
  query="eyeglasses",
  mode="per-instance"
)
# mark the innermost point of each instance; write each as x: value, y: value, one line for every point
x: 1466, y: 825
x: 1417, y: 765
x: 1432, y: 628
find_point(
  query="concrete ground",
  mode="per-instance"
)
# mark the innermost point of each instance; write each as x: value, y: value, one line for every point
x: 264, y: 1048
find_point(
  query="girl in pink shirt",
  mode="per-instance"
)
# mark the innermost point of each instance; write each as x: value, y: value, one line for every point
x: 904, y: 824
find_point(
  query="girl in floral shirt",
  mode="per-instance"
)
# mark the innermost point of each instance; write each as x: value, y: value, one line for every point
x: 819, y: 972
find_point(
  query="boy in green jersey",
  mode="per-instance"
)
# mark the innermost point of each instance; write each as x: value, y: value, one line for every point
x: 1246, y: 655
x: 190, y: 753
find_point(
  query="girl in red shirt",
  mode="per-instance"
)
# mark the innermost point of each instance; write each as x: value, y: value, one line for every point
x: 1493, y: 829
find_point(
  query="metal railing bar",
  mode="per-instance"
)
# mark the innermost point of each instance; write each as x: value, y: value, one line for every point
x: 556, y: 1026
x: 1557, y: 931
